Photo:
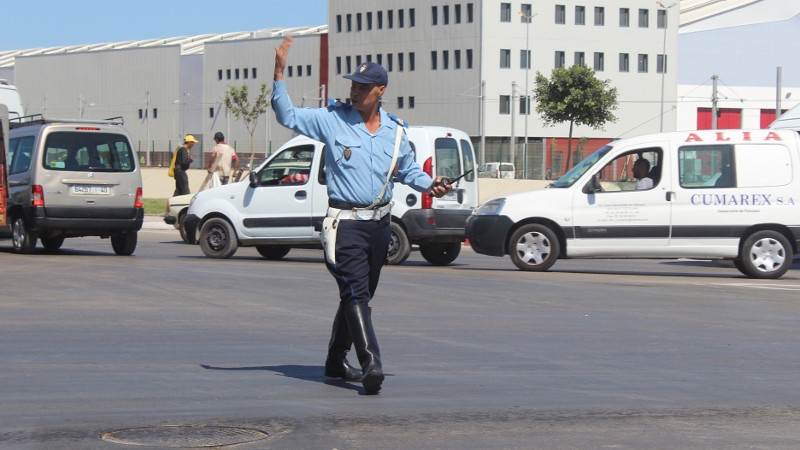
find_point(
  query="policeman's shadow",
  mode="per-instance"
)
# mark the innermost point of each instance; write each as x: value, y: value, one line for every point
x: 307, y: 373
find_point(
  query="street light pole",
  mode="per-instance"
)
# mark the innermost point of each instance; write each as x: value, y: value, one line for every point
x: 528, y: 19
x: 663, y: 62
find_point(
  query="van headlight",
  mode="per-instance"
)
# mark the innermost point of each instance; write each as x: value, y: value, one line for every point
x: 491, y: 207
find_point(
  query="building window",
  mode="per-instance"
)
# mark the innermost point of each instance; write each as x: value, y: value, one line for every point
x: 236, y: 71
x: 369, y: 58
x: 349, y: 22
x: 445, y: 60
x: 389, y: 62
x: 644, y: 18
x: 291, y: 71
x: 661, y: 64
x: 457, y: 59
x: 661, y: 19
x: 470, y: 13
x: 410, y: 102
x: 219, y: 73
x: 434, y: 15
x: 308, y: 70
x: 380, y: 58
x: 457, y: 13
x: 599, y: 61
x: 401, y: 18
x: 411, y: 19
x: 210, y: 113
x: 254, y: 73
x: 141, y: 113
x: 400, y: 62
x: 338, y: 23
x: 560, y: 59
x: 347, y: 64
x: 246, y: 73
x: 358, y: 21
x: 505, y: 12
x: 446, y: 15
x: 228, y: 74
x: 580, y: 59
x: 411, y: 62
x: 524, y: 59
x: 338, y: 65
x: 624, y: 62
x: 505, y: 58
x: 524, y: 104
x: 399, y: 102
x: 390, y: 18
x: 624, y: 17
x: 642, y: 63
x: 380, y: 20
x: 369, y: 20
x: 433, y: 60
x: 527, y: 13
x: 469, y: 58
x: 155, y: 113
x: 580, y: 15
x: 358, y: 60
x: 599, y: 16
x: 505, y: 104
x: 561, y: 14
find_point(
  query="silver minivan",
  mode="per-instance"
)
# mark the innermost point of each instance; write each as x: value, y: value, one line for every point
x: 72, y: 179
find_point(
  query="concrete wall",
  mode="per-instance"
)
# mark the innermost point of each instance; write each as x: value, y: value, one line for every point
x: 158, y: 185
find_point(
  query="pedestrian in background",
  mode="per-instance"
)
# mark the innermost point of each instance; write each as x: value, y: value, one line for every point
x: 223, y: 159
x: 183, y: 159
x: 360, y: 140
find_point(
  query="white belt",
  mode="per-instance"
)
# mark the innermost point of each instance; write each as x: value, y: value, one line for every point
x: 360, y: 213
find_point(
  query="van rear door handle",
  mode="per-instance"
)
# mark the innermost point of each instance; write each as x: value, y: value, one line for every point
x: 670, y: 194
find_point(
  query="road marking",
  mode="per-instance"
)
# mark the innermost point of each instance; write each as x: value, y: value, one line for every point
x: 782, y: 287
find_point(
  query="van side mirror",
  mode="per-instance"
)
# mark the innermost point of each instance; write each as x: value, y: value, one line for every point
x: 593, y: 185
x: 253, y: 177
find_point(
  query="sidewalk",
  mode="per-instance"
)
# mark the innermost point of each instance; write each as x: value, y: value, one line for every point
x: 156, y: 223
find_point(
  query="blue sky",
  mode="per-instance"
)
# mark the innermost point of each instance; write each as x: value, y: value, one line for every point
x: 48, y: 23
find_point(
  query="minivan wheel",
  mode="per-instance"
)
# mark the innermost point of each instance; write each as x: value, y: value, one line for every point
x: 399, y: 247
x: 273, y: 252
x: 534, y: 247
x: 23, y: 240
x: 124, y: 243
x: 52, y: 243
x: 440, y: 254
x: 218, y: 238
x: 765, y: 254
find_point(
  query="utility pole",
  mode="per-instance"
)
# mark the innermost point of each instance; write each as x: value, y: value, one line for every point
x: 147, y: 118
x: 714, y: 100
x: 513, y: 147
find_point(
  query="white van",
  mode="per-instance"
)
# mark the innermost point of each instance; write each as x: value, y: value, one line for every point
x: 716, y: 194
x: 789, y: 120
x: 9, y: 96
x: 283, y: 203
x: 496, y: 170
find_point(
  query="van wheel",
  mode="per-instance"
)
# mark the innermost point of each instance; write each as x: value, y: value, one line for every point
x: 273, y: 252
x: 23, y: 240
x: 765, y: 254
x: 218, y: 238
x: 189, y: 239
x: 534, y: 247
x: 399, y: 248
x: 52, y: 243
x: 440, y: 254
x: 124, y: 243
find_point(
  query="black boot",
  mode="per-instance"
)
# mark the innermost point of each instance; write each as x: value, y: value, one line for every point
x: 359, y: 320
x: 336, y: 364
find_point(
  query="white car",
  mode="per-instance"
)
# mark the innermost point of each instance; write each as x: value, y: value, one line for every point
x: 283, y: 203
x: 176, y: 211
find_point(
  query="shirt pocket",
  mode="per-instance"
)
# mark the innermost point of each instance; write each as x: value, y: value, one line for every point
x: 348, y: 151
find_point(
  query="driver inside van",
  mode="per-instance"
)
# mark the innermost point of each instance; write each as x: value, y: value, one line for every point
x: 640, y: 170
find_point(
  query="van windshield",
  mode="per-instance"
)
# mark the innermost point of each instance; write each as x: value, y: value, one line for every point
x: 569, y: 178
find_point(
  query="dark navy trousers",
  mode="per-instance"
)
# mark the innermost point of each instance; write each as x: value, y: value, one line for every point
x: 361, y: 250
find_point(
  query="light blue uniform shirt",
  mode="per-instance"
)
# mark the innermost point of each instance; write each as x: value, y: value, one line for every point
x: 358, y: 179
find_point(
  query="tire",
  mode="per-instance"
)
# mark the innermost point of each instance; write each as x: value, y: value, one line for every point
x: 52, y: 243
x: 399, y: 247
x: 189, y: 239
x: 440, y: 254
x: 218, y: 238
x: 23, y: 239
x: 273, y: 252
x: 124, y: 243
x: 534, y: 247
x: 765, y: 254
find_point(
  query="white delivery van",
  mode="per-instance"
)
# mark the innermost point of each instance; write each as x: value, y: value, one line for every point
x: 9, y: 96
x: 496, y: 170
x: 716, y: 194
x: 283, y: 203
x: 789, y: 120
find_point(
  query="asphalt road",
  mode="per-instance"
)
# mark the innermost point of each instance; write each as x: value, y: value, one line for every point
x: 170, y: 349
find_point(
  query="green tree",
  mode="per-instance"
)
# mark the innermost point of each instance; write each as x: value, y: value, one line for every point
x: 574, y: 95
x: 237, y: 101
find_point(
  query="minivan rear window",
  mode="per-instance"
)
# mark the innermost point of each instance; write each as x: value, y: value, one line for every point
x: 81, y: 151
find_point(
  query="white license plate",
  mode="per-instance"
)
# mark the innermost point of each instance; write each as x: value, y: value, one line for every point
x: 83, y: 189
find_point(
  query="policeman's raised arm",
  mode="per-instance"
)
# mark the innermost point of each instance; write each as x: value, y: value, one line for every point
x: 280, y: 58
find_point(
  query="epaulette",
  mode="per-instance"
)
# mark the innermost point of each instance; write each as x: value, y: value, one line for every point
x: 400, y: 121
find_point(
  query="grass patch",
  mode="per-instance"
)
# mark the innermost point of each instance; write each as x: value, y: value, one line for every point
x: 154, y: 206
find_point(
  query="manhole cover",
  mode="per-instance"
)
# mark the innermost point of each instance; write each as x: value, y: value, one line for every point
x: 195, y: 436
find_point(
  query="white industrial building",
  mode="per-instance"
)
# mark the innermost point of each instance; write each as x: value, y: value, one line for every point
x: 461, y: 64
